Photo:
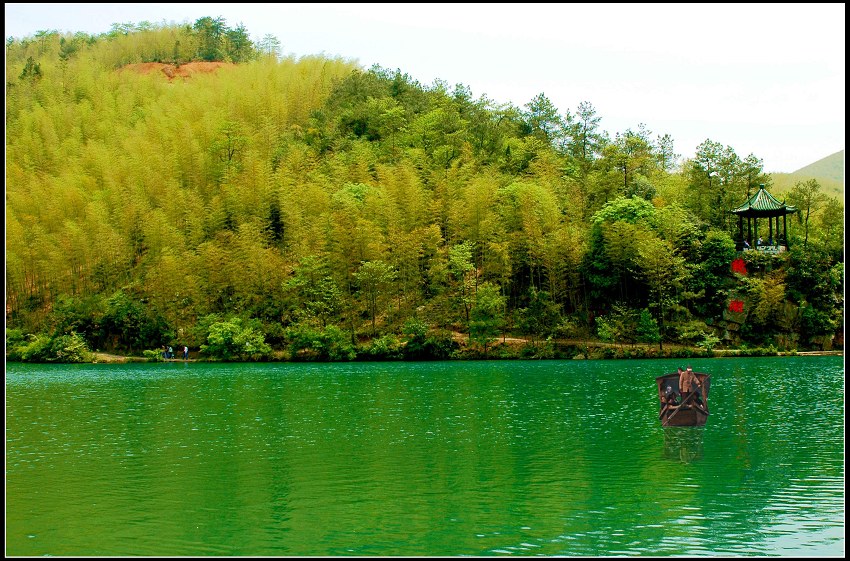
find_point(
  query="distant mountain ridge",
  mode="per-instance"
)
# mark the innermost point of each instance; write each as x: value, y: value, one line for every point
x: 831, y: 167
x: 829, y: 173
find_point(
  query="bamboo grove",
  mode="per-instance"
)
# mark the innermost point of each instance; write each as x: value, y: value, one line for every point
x: 311, y: 206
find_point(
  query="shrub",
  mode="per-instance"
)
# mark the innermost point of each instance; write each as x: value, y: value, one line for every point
x: 231, y: 339
x: 70, y: 348
x: 708, y: 342
x: 154, y: 355
x: 542, y: 350
x: 15, y: 341
x: 387, y: 347
x: 440, y: 345
x: 309, y: 343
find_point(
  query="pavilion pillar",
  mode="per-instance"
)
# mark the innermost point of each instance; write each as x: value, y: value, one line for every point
x: 785, y: 229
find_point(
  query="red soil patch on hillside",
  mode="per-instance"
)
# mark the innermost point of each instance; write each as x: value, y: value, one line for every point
x: 172, y: 71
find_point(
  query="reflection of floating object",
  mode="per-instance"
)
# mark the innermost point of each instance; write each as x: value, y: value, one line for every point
x: 692, y: 411
x: 683, y: 444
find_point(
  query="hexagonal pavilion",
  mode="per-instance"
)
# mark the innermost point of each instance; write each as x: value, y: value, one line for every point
x: 759, y: 206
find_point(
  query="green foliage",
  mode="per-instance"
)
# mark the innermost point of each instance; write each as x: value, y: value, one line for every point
x: 423, y: 343
x: 808, y: 199
x: 570, y: 328
x: 31, y: 71
x: 621, y: 325
x: 677, y: 226
x: 153, y: 355
x: 440, y: 345
x: 460, y: 259
x: 232, y: 339
x: 812, y: 276
x: 717, y: 253
x: 487, y: 315
x: 315, y: 291
x: 304, y: 194
x: 328, y: 344
x: 538, y: 351
x: 766, y: 297
x: 415, y: 332
x: 606, y: 329
x: 633, y: 210
x: 647, y: 328
x: 708, y: 342
x: 816, y: 323
x: 541, y: 317
x: 692, y: 332
x: 81, y: 315
x: 15, y: 341
x: 374, y: 278
x: 216, y: 41
x: 712, y: 271
x: 386, y: 347
x: 129, y: 324
x: 69, y: 348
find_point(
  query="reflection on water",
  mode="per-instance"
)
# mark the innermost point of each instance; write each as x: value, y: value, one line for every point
x: 683, y: 444
x: 558, y: 458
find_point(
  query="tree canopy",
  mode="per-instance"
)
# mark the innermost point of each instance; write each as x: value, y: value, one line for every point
x: 308, y: 200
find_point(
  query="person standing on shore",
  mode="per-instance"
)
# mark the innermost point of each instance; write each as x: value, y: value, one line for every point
x: 185, y: 352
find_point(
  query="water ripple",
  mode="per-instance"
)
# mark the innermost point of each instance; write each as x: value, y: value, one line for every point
x: 432, y: 459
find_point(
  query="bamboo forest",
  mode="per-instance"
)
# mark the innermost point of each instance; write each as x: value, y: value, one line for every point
x: 183, y: 185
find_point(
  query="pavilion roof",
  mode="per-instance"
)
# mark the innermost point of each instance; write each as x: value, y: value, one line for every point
x: 763, y: 204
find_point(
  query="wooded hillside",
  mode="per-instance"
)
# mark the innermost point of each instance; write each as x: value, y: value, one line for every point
x: 334, y: 212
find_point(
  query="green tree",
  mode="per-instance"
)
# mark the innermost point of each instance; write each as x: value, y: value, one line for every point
x: 647, y: 330
x: 712, y: 266
x: 832, y: 226
x: 238, y: 46
x: 631, y: 154
x: 752, y: 174
x: 232, y: 339
x: 315, y: 292
x: 128, y: 324
x: 227, y: 148
x: 619, y: 326
x: 374, y: 277
x: 270, y: 46
x: 806, y: 196
x: 665, y: 153
x: 587, y: 139
x: 540, y: 317
x: 31, y: 71
x: 211, y: 33
x: 544, y: 119
x: 704, y: 173
x: 487, y: 314
x: 308, y: 343
x: 767, y: 297
x: 61, y: 348
x: 463, y: 274
x: 663, y: 271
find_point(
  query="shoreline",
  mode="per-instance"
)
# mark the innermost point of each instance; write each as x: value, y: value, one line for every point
x: 109, y: 358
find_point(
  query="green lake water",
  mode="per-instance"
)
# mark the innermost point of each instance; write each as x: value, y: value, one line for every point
x: 557, y: 458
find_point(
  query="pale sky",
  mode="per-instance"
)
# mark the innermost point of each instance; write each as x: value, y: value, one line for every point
x: 765, y: 79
